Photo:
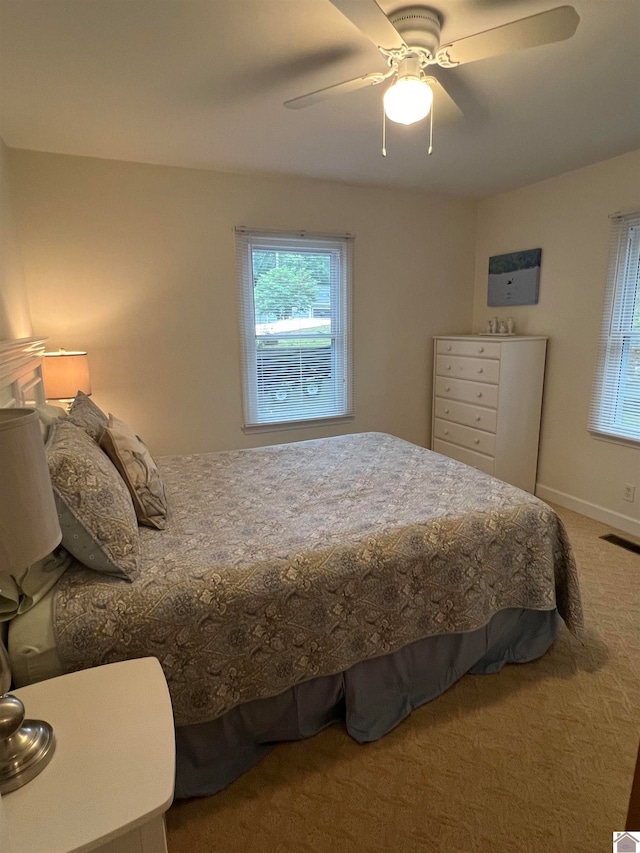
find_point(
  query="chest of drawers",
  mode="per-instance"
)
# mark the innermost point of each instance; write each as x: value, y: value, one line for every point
x: 487, y: 401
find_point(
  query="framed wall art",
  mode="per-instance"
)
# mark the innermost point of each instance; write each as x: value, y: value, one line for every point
x: 514, y: 279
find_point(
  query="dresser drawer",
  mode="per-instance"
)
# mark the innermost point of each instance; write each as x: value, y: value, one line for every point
x: 467, y: 392
x: 476, y: 460
x: 465, y: 413
x: 477, y: 369
x: 474, y: 439
x: 482, y: 349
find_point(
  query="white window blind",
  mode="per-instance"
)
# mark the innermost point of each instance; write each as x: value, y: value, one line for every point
x: 295, y: 309
x: 615, y: 404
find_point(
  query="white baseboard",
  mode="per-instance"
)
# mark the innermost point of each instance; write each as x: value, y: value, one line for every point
x: 599, y: 513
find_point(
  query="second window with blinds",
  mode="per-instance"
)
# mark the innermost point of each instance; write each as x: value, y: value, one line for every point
x: 295, y: 310
x: 615, y: 404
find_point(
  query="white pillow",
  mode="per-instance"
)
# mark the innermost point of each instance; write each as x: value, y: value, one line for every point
x: 48, y: 415
x: 20, y: 594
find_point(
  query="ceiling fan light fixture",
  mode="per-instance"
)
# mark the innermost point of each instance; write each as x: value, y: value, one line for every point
x: 408, y: 100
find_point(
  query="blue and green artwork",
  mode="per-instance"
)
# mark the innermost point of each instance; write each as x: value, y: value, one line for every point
x: 514, y: 279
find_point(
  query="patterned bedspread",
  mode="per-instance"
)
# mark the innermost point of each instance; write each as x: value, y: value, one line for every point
x: 283, y: 563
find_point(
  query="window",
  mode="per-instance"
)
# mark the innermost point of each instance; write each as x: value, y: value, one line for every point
x: 295, y: 299
x: 615, y: 406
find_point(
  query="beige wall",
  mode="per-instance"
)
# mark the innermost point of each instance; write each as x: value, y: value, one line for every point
x: 15, y: 321
x: 568, y: 218
x: 136, y: 264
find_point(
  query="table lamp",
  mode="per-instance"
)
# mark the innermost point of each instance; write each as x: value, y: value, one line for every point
x: 29, y: 531
x: 64, y: 374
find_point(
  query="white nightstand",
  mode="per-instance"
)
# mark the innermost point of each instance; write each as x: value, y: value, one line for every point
x: 111, y: 778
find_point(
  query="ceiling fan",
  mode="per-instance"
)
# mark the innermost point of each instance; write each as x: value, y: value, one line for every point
x: 409, y: 40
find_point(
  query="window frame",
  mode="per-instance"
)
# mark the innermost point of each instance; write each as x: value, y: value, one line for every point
x: 340, y: 249
x: 617, y: 335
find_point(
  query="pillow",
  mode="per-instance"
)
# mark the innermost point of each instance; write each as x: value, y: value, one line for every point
x: 98, y: 522
x: 47, y: 414
x: 131, y: 457
x: 84, y: 413
x: 17, y: 595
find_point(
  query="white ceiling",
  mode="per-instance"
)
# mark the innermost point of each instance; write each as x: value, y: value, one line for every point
x: 201, y: 83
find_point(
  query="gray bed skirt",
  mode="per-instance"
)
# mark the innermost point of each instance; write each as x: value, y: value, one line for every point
x: 371, y: 698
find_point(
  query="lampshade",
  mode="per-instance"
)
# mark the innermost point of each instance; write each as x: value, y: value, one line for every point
x: 408, y: 100
x: 64, y: 374
x: 29, y: 528
x: 29, y: 531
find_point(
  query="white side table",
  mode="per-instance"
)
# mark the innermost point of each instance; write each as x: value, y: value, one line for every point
x: 111, y: 778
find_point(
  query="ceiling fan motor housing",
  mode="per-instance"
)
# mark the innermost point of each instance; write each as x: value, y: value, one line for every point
x: 419, y: 26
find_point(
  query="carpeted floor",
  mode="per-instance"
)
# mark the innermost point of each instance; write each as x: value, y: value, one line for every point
x: 537, y: 758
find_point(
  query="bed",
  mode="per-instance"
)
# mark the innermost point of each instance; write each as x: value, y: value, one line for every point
x: 346, y: 579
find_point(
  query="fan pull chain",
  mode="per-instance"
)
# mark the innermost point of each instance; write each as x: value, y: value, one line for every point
x: 384, y: 133
x: 431, y: 131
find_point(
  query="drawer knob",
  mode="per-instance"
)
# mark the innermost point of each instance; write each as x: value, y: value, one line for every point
x: 446, y: 432
x: 478, y: 418
x: 446, y: 411
x: 447, y: 388
x: 449, y: 348
x: 448, y: 367
x: 480, y: 349
x: 479, y: 393
x: 476, y: 441
x: 481, y: 370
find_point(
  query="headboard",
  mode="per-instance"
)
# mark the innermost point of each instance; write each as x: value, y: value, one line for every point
x: 21, y: 372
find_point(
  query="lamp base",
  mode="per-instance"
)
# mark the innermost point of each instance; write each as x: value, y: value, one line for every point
x: 26, y: 746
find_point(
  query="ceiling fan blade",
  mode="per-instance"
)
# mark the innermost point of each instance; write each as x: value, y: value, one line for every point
x: 546, y: 27
x: 445, y: 109
x: 372, y: 21
x: 337, y: 89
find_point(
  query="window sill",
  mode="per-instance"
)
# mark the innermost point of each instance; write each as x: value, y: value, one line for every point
x: 278, y: 426
x: 615, y: 439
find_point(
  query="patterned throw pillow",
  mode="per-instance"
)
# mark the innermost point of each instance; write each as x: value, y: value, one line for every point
x: 131, y: 457
x: 84, y: 413
x: 97, y: 517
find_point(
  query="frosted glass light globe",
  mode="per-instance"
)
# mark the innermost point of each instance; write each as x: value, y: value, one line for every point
x: 408, y: 100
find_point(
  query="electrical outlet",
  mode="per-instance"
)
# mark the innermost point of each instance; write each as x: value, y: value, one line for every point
x: 629, y: 493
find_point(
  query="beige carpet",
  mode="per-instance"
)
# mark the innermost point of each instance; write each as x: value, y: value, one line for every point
x: 537, y: 758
